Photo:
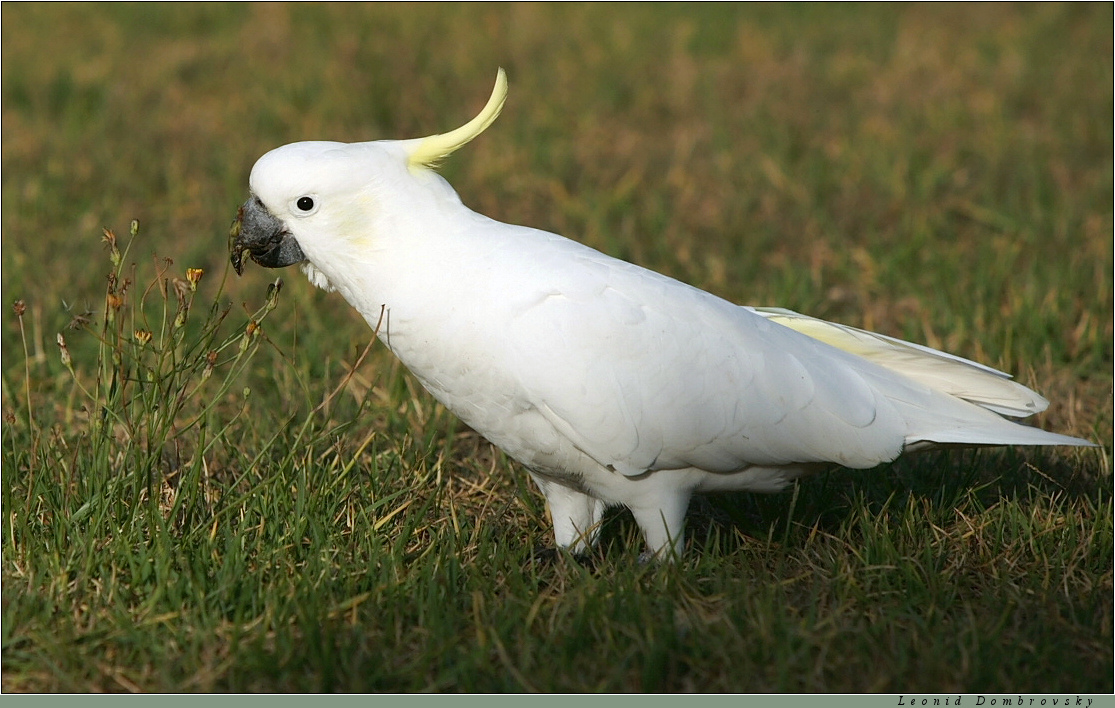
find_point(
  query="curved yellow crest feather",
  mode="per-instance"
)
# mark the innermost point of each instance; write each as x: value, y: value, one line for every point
x: 429, y: 151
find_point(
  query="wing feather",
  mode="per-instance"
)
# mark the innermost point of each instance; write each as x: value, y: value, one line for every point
x: 643, y: 372
x: 967, y: 380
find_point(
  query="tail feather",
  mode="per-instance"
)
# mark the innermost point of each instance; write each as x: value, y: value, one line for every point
x: 986, y: 429
x: 947, y: 421
x: 964, y: 379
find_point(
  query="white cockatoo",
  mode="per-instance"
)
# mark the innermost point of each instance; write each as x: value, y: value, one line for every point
x: 610, y: 383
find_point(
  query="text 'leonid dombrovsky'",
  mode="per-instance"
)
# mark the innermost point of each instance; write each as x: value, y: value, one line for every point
x: 997, y: 701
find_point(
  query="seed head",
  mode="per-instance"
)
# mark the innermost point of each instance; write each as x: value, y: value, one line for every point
x: 113, y: 252
x: 249, y: 334
x: 210, y: 362
x: 182, y: 290
x: 65, y: 352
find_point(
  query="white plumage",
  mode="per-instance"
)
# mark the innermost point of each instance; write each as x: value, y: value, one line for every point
x: 610, y: 383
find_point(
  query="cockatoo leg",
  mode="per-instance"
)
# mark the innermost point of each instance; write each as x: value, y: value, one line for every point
x: 576, y: 516
x: 663, y: 527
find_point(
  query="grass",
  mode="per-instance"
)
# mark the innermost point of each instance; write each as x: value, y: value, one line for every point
x: 220, y: 490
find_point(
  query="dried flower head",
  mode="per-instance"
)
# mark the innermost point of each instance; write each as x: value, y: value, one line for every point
x: 80, y: 320
x: 65, y: 352
x: 113, y: 252
x: 249, y: 334
x: 210, y: 362
x: 182, y: 289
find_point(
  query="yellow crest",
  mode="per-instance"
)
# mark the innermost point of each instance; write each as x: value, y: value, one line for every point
x: 429, y: 151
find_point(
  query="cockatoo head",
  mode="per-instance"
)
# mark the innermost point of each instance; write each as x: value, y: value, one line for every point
x: 311, y: 199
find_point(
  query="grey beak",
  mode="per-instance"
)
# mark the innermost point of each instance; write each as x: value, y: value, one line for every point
x: 264, y: 238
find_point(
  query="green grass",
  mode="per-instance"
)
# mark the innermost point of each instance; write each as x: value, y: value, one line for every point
x: 245, y: 501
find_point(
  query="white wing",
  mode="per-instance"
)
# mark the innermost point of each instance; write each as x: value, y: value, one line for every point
x: 965, y: 379
x: 642, y: 372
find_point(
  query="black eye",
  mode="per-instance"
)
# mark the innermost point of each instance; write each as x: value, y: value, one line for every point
x: 305, y: 203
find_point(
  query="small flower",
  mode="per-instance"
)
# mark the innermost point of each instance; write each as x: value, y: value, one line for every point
x: 143, y: 336
x: 210, y: 362
x: 66, y: 360
x: 80, y: 320
x: 113, y: 252
x: 194, y: 275
x: 20, y: 307
x: 273, y: 290
x: 249, y: 334
x: 182, y: 290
